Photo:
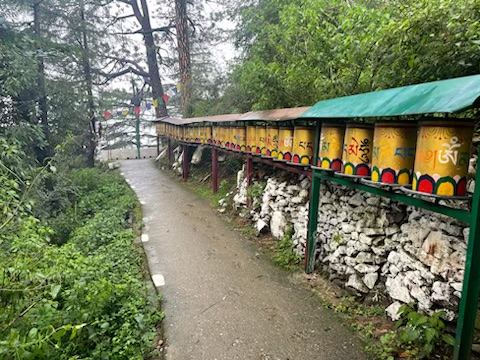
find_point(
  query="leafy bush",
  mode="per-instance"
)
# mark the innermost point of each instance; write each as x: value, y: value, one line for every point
x: 419, y: 337
x: 83, y: 299
x: 286, y: 256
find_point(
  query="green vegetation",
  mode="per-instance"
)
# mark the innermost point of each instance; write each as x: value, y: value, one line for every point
x: 285, y: 254
x: 255, y: 193
x: 86, y: 296
x: 418, y: 336
x: 297, y: 52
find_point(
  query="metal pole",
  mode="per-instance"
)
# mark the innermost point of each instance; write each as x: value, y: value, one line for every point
x: 158, y: 145
x: 185, y: 162
x: 471, y: 282
x: 214, y: 169
x: 249, y: 170
x: 137, y: 122
x: 169, y: 151
x: 313, y: 209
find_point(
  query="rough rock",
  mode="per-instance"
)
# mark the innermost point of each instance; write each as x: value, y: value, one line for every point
x: 392, y: 310
x: 397, y: 290
x: 355, y: 282
x: 278, y: 223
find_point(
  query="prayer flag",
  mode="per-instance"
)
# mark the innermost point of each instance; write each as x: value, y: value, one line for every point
x: 137, y: 110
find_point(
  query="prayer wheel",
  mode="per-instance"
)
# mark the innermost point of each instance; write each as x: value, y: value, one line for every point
x: 331, y: 145
x: 190, y: 134
x: 240, y: 138
x: 303, y: 143
x: 181, y: 133
x: 272, y: 141
x: 251, y: 139
x: 261, y: 140
x: 223, y: 136
x: 232, y: 132
x: 216, y: 135
x: 158, y: 129
x: 228, y: 137
x: 198, y: 133
x: 177, y: 132
x: 442, y: 157
x: 357, y: 149
x: 285, y: 143
x: 393, y: 152
x: 202, y: 133
x: 208, y: 134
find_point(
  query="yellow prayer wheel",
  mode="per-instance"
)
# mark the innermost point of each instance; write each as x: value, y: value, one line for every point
x: 251, y: 139
x: 233, y: 132
x: 240, y: 138
x: 190, y: 134
x: 393, y: 152
x: 208, y: 134
x: 223, y: 136
x: 272, y: 141
x: 285, y: 143
x: 215, y: 135
x: 442, y: 157
x: 158, y: 129
x: 303, y: 143
x: 357, y: 149
x: 228, y: 137
x: 180, y: 133
x: 261, y: 140
x: 330, y: 148
x: 198, y: 134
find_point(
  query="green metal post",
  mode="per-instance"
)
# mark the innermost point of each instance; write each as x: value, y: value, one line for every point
x: 313, y: 210
x: 137, y: 123
x: 471, y: 282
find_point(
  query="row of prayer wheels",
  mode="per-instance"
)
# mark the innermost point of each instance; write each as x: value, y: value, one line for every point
x: 432, y: 156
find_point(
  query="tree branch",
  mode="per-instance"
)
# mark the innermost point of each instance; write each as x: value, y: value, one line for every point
x: 114, y: 75
x: 141, y: 31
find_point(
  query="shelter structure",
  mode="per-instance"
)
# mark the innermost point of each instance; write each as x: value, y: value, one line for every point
x: 405, y: 144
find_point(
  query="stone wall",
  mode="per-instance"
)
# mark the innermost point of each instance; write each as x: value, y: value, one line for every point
x: 282, y: 206
x: 379, y: 247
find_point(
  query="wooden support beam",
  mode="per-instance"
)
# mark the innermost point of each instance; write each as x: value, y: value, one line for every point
x: 214, y: 169
x: 185, y: 162
x: 170, y: 152
x: 249, y: 170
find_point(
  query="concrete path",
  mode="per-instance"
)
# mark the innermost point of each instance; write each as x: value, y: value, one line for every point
x: 222, y: 299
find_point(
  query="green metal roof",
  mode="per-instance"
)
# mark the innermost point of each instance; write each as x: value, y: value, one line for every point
x: 445, y: 96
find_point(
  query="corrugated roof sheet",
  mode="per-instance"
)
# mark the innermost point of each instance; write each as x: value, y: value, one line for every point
x: 275, y: 115
x: 215, y: 118
x: 445, y: 96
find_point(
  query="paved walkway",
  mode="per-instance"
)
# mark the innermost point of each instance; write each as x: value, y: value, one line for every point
x: 222, y: 299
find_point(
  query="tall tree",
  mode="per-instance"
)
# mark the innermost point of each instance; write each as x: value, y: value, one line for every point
x: 142, y: 15
x: 183, y: 43
x: 42, y: 93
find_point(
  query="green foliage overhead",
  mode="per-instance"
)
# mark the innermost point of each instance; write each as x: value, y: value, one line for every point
x: 299, y: 52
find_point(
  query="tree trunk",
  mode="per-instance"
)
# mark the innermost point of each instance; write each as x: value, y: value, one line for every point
x: 42, y: 94
x: 151, y: 49
x: 88, y: 83
x: 183, y: 41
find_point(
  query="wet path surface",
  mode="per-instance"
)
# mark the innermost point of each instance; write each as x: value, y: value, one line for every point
x: 223, y: 300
